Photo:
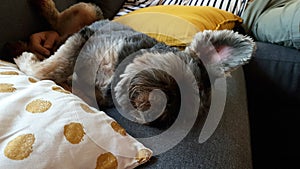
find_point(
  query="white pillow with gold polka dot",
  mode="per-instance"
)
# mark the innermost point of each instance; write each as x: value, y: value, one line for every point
x: 44, y: 126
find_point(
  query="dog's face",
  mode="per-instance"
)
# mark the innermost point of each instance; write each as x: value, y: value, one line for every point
x: 155, y: 84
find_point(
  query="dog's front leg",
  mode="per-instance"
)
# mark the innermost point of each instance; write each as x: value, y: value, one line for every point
x: 59, y: 66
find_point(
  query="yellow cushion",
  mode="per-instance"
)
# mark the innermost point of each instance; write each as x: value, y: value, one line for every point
x: 176, y: 25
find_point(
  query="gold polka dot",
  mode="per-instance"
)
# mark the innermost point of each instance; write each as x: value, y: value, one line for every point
x: 38, y: 106
x: 7, y: 88
x: 116, y: 126
x: 59, y: 89
x: 20, y: 147
x: 32, y: 80
x: 143, y: 156
x: 86, y: 108
x: 74, y: 133
x: 9, y: 73
x: 107, y: 161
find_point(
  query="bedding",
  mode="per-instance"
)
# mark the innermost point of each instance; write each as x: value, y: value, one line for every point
x: 237, y: 7
x: 44, y: 126
x: 176, y: 25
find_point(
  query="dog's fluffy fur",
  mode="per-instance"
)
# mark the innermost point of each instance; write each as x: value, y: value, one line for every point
x: 70, y: 20
x: 106, y: 53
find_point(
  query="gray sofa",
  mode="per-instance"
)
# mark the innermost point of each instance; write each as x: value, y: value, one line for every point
x: 273, y: 93
x: 231, y: 145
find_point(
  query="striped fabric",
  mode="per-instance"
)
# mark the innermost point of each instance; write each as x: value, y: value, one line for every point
x: 237, y: 7
x: 132, y: 5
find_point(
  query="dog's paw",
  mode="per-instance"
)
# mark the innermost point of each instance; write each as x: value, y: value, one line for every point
x: 25, y: 61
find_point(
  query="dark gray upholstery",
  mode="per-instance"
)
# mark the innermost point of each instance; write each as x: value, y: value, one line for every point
x: 273, y: 88
x: 229, y: 146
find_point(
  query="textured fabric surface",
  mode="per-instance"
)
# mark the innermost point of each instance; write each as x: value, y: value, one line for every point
x: 274, y: 21
x: 228, y: 147
x: 44, y: 126
x: 237, y: 7
x: 276, y: 65
x: 273, y: 89
x: 160, y: 22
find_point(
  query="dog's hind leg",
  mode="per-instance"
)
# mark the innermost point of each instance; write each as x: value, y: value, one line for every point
x: 48, y: 10
x: 70, y: 20
x: 59, y: 66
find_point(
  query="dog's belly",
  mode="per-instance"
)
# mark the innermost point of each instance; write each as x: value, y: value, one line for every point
x: 106, y: 58
x: 106, y: 71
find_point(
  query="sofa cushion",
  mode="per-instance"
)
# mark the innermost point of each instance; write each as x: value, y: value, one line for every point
x: 273, y: 91
x: 228, y: 146
x: 176, y: 25
x: 274, y: 70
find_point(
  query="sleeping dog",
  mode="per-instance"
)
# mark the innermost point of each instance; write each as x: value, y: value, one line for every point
x: 145, y: 78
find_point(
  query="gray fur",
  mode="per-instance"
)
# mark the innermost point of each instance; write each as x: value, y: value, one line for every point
x: 114, y: 53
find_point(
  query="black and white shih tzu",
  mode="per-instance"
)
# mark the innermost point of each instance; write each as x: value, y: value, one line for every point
x: 145, y: 78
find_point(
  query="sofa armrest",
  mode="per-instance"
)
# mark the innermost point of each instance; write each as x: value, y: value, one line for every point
x: 273, y: 89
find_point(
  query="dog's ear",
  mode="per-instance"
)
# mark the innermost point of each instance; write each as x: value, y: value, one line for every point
x: 221, y: 51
